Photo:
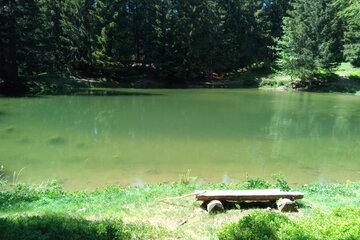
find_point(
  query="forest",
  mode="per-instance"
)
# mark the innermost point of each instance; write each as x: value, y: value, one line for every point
x: 173, y: 40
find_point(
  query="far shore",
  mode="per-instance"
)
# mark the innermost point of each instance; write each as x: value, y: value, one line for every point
x: 345, y: 80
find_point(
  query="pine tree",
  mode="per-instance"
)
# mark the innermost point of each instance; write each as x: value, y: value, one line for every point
x: 312, y: 39
x: 116, y: 33
x: 20, y: 43
x: 56, y: 57
x: 269, y: 19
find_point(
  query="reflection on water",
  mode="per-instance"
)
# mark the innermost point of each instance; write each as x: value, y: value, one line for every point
x: 102, y: 92
x: 154, y: 135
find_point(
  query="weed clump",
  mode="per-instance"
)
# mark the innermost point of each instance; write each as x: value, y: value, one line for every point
x: 186, y: 178
x: 256, y: 183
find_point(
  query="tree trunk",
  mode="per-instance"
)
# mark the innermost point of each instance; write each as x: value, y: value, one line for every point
x: 56, y: 19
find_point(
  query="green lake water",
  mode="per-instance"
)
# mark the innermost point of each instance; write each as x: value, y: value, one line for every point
x: 148, y: 136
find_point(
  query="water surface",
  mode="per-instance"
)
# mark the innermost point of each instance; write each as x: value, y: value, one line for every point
x: 149, y: 136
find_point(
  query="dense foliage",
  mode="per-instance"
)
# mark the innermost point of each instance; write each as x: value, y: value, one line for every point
x: 169, y: 39
x: 183, y: 40
x: 339, y: 224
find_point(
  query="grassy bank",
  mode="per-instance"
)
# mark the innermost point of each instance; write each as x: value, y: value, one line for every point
x: 345, y: 79
x: 143, y: 213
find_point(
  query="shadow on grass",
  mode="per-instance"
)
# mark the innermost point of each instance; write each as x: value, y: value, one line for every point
x: 332, y: 83
x: 52, y: 227
x: 349, y: 84
x: 246, y: 79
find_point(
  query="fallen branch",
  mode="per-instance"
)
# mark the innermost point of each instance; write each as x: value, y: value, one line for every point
x: 183, y: 196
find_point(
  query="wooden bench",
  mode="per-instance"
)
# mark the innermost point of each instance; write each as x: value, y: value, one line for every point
x: 216, y: 198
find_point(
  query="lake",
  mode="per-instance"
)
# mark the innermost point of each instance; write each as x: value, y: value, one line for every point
x: 135, y: 137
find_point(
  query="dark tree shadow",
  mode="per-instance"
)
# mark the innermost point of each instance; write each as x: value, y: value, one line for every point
x: 331, y: 82
x: 250, y: 205
x: 233, y: 205
x: 245, y: 79
x: 56, y: 227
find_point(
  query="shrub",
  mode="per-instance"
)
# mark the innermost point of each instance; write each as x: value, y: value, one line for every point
x: 258, y: 225
x: 341, y: 223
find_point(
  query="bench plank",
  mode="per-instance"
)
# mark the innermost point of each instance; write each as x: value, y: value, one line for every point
x: 246, y: 195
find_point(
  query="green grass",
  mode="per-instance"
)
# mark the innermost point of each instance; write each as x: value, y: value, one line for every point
x: 340, y: 223
x: 258, y: 225
x: 146, y: 208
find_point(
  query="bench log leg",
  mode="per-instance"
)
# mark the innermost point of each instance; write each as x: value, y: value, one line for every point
x: 214, y: 206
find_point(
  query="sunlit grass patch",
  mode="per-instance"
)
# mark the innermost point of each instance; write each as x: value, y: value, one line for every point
x: 339, y: 223
x: 332, y: 195
x: 345, y: 79
x: 347, y: 70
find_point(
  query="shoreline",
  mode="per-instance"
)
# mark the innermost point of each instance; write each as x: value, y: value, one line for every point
x: 345, y: 80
